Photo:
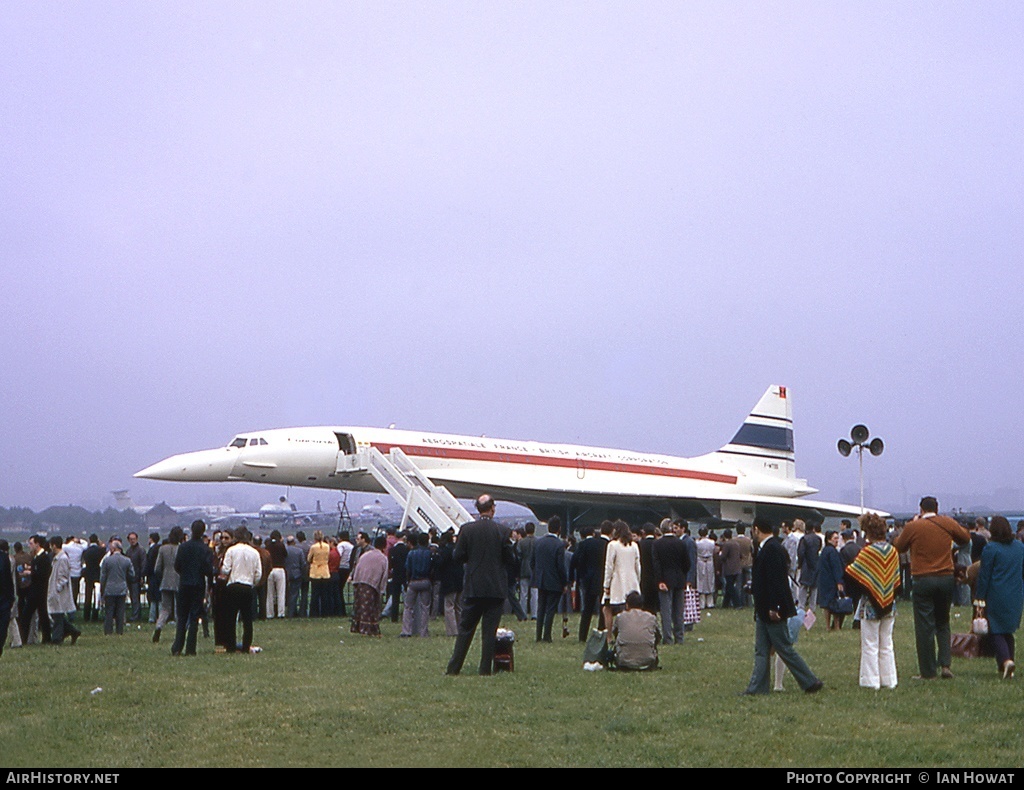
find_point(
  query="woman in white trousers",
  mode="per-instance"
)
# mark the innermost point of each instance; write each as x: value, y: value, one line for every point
x: 877, y: 571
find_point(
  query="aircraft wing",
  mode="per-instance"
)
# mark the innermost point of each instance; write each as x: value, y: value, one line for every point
x: 589, y: 507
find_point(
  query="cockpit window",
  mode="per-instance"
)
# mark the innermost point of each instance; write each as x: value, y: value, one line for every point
x: 262, y: 441
x: 253, y: 442
x: 238, y: 442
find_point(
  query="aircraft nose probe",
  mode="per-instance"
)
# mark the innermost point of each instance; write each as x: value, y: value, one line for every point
x: 198, y: 467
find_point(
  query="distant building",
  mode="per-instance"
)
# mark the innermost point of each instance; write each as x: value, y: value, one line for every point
x: 160, y: 518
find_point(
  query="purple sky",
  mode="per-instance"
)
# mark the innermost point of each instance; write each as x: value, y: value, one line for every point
x: 602, y: 224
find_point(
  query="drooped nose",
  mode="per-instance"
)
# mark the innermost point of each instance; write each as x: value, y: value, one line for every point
x: 204, y: 466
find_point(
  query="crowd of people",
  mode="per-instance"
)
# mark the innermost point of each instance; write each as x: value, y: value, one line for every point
x: 652, y: 580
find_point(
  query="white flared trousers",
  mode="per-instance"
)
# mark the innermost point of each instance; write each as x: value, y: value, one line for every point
x: 877, y: 659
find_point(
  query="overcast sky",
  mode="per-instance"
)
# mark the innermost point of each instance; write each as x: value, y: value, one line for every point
x: 601, y: 223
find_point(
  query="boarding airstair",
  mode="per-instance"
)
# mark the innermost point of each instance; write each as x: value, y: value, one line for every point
x: 426, y: 505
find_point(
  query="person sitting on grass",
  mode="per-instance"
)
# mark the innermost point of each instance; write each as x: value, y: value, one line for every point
x: 636, y: 636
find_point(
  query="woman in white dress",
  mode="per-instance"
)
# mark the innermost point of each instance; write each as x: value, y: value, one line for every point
x: 706, y: 549
x: 621, y: 573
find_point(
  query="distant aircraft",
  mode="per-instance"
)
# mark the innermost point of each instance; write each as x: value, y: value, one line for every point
x: 282, y: 515
x: 754, y: 473
x: 123, y: 501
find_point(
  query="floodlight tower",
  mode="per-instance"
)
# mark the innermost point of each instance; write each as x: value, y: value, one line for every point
x: 859, y: 435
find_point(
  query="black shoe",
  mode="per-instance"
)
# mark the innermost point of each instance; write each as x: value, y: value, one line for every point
x: 156, y: 636
x: 814, y: 688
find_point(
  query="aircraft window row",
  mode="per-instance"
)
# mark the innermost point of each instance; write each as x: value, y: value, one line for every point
x: 241, y: 442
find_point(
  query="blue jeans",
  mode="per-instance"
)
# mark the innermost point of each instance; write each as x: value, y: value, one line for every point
x: 776, y: 635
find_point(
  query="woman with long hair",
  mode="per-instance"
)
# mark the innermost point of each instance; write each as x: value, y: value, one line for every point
x: 319, y: 576
x: 621, y: 573
x: 876, y: 569
x: 1000, y: 591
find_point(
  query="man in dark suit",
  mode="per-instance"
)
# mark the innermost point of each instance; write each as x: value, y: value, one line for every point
x: 808, y: 553
x: 91, y: 559
x: 396, y: 584
x: 671, y: 565
x: 7, y: 595
x: 194, y: 564
x: 588, y: 571
x: 773, y: 606
x: 484, y: 547
x: 41, y: 565
x: 548, y: 576
x: 648, y: 583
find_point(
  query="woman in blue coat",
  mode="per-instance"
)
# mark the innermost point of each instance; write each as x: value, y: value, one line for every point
x: 1000, y: 590
x: 830, y: 579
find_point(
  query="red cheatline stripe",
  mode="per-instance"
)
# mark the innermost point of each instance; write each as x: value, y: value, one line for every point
x: 534, y: 460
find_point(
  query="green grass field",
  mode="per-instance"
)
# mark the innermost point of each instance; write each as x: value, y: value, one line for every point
x: 320, y: 696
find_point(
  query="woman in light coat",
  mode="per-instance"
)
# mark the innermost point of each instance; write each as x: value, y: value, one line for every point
x: 621, y: 572
x: 169, y: 580
x: 706, y: 551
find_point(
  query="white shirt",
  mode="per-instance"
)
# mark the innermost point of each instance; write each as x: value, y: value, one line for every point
x: 74, y: 552
x: 242, y: 565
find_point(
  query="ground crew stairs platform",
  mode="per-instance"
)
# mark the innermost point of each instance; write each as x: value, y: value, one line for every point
x: 424, y: 504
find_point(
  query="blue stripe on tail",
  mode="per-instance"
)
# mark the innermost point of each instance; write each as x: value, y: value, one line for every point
x: 769, y: 437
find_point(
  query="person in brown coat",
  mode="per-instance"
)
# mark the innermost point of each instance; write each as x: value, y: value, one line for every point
x: 929, y: 538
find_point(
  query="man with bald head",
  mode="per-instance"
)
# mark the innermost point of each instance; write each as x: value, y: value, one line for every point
x: 484, y: 546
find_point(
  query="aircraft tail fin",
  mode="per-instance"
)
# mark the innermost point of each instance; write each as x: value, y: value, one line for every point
x: 122, y: 500
x: 764, y: 442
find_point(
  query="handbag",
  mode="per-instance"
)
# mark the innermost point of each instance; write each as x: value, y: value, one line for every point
x: 979, y: 625
x: 842, y: 605
x: 596, y: 649
x: 691, y: 606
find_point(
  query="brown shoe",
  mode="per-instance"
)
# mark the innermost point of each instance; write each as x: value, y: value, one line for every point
x: 947, y: 673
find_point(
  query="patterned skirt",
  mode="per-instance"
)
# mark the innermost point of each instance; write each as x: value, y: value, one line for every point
x: 366, y: 611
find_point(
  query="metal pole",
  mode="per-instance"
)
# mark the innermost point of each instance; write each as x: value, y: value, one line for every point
x: 860, y: 458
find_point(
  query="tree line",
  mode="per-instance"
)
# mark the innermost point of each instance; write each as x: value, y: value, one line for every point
x: 68, y: 518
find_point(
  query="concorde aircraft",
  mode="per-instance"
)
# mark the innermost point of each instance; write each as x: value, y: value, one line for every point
x: 755, y: 473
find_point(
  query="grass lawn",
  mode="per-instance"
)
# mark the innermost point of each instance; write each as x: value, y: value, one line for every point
x: 320, y: 696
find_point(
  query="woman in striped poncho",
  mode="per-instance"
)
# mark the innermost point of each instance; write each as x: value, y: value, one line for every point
x: 876, y: 570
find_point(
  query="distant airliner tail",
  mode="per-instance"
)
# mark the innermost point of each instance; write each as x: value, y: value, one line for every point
x: 122, y: 499
x: 764, y: 443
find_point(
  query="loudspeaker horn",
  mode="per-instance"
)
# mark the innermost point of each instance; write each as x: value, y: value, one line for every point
x: 859, y: 434
x: 876, y: 446
x: 845, y: 447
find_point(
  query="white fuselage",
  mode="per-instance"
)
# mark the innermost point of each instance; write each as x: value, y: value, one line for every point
x: 467, y: 465
x: 756, y: 469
